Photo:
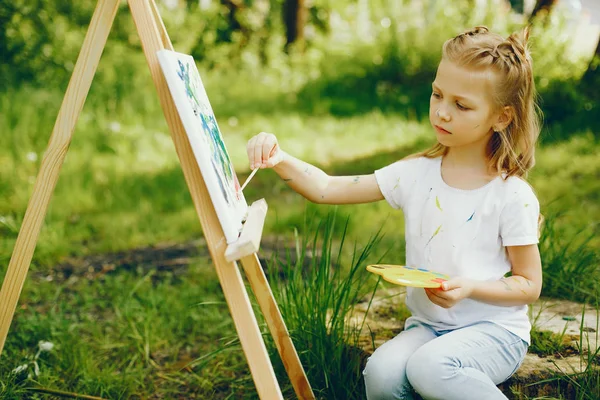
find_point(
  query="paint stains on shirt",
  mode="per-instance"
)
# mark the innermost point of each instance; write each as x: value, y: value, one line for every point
x: 437, y: 204
x: 439, y: 228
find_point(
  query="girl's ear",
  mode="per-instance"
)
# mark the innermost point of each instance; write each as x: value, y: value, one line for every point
x: 504, y: 118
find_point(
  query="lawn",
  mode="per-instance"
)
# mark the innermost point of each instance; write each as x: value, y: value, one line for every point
x: 150, y: 329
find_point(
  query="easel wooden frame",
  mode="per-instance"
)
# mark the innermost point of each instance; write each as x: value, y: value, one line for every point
x: 154, y: 37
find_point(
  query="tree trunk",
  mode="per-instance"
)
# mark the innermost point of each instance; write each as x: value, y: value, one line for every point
x: 517, y: 6
x: 234, y: 7
x: 294, y: 18
x: 592, y: 73
x: 542, y: 5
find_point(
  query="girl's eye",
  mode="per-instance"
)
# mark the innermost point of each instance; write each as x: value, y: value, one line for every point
x: 461, y: 107
x: 436, y: 95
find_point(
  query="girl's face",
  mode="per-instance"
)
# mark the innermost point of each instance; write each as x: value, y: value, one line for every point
x: 461, y: 108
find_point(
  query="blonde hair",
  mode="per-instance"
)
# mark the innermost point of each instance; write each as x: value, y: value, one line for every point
x: 512, y: 150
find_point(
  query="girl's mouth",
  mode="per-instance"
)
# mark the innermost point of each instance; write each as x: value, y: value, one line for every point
x: 442, y: 130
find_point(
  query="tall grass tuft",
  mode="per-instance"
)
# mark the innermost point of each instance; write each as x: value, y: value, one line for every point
x: 316, y: 293
x: 582, y: 383
x: 570, y: 262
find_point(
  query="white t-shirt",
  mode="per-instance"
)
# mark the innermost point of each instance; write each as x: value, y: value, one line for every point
x: 461, y: 233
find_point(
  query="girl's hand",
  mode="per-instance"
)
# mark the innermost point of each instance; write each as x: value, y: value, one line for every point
x: 451, y: 292
x: 264, y: 151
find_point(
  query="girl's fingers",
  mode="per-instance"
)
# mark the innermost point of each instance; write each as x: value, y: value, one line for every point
x: 274, y: 156
x: 258, y: 150
x: 432, y: 295
x: 261, y: 150
x: 267, y: 148
x: 274, y: 149
x: 250, y: 151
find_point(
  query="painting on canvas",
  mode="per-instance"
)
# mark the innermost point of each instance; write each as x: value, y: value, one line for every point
x: 205, y: 139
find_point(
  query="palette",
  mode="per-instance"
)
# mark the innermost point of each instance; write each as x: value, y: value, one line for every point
x: 408, y: 276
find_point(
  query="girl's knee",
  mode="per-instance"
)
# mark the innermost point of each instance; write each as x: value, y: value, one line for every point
x: 385, y: 379
x: 376, y: 373
x: 425, y: 369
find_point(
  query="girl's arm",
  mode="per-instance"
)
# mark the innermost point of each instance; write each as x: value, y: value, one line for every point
x: 522, y: 287
x: 318, y: 187
x: 308, y: 180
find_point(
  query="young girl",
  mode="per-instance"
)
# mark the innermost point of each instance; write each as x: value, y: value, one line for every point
x: 469, y: 214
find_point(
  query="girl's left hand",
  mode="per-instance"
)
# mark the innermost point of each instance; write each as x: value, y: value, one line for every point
x: 451, y: 292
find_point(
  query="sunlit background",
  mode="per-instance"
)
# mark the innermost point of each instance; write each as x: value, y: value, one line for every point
x: 344, y: 84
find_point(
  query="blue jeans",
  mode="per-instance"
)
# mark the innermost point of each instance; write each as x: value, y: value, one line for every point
x: 463, y: 364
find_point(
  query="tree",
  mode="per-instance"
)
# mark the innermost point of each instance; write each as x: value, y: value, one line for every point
x: 517, y: 5
x: 592, y: 74
x: 234, y: 9
x: 542, y: 5
x: 294, y: 19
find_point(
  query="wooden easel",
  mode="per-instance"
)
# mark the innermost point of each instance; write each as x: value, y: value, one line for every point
x: 154, y: 37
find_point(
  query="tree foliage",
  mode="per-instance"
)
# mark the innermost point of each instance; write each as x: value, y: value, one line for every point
x: 383, y: 52
x: 40, y: 39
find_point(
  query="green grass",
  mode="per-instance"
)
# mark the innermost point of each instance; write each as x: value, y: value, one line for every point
x: 545, y: 343
x: 585, y: 383
x: 126, y: 334
x: 580, y: 383
x: 125, y: 327
x: 136, y: 332
x: 317, y: 289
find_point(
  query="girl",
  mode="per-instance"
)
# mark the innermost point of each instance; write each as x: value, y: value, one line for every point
x: 469, y: 214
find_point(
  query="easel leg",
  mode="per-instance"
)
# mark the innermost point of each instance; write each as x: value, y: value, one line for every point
x: 147, y: 23
x: 75, y: 96
x: 281, y: 336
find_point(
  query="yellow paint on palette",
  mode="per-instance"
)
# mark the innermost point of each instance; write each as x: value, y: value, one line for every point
x: 408, y: 276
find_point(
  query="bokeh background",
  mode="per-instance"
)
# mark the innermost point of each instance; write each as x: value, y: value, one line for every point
x: 344, y: 84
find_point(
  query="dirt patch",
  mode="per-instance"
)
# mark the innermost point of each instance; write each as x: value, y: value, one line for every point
x: 162, y: 259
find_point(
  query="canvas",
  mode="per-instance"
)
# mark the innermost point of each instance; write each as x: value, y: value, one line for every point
x: 205, y: 138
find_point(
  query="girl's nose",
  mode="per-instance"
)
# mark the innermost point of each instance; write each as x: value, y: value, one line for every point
x: 443, y: 114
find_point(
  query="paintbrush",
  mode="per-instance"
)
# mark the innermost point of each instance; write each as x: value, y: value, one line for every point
x: 271, y: 153
x: 249, y: 177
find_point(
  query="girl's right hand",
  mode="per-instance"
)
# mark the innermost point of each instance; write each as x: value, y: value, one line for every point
x: 264, y: 151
